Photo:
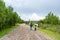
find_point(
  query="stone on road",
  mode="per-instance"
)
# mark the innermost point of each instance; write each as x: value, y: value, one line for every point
x: 24, y: 33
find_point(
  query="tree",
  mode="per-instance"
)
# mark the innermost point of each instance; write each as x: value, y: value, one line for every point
x: 51, y: 19
x: 8, y: 17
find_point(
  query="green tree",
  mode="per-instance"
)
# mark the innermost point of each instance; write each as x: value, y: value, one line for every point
x: 51, y: 19
x: 8, y: 17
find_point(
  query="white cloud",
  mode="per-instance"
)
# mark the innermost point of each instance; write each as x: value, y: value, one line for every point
x: 35, y: 17
x: 16, y: 3
x: 40, y: 3
x: 32, y: 17
x: 37, y: 6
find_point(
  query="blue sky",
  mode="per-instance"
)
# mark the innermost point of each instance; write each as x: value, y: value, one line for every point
x: 34, y: 9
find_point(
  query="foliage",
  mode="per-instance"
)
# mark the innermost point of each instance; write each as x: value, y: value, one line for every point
x: 50, y: 19
x: 8, y: 17
x: 7, y: 30
x: 51, y: 22
x: 53, y: 35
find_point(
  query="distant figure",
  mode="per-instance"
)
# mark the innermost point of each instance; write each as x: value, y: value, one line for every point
x: 26, y: 22
x: 31, y: 26
x: 36, y: 25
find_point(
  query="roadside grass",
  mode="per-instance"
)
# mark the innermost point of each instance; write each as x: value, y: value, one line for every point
x: 7, y: 30
x: 53, y: 35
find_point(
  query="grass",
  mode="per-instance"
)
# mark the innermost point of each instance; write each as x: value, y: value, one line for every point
x: 7, y: 30
x: 53, y: 35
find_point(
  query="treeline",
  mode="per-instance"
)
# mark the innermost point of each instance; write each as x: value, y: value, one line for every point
x: 51, y: 19
x: 8, y: 17
x: 51, y: 22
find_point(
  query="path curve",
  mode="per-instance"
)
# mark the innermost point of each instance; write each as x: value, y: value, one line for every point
x: 24, y: 33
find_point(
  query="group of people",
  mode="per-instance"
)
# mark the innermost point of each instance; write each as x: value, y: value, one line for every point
x: 35, y: 26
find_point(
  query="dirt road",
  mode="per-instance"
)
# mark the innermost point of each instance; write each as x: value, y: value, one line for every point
x: 24, y: 33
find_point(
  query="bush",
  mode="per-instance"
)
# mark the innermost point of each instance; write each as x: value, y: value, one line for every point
x: 54, y: 28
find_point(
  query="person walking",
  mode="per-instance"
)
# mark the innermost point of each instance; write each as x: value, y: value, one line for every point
x: 36, y: 25
x: 31, y: 25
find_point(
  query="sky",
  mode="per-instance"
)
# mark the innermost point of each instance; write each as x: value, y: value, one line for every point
x: 34, y: 9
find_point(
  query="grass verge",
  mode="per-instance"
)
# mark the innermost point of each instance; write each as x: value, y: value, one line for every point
x: 53, y: 35
x: 7, y: 30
